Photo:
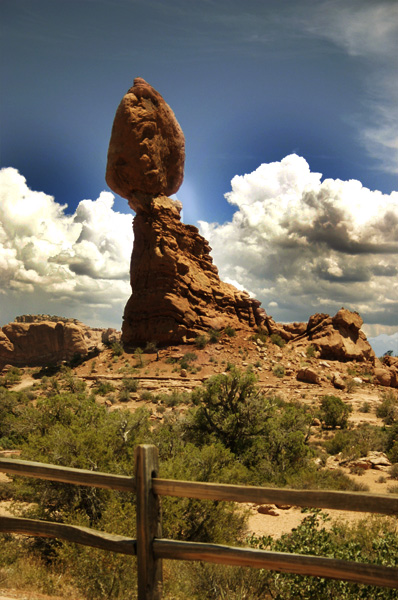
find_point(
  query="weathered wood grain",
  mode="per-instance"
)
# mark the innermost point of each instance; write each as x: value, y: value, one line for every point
x: 67, y: 475
x: 149, y: 524
x: 300, y: 564
x: 355, y: 501
x: 69, y: 533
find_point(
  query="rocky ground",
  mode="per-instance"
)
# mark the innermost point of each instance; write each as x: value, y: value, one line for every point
x: 182, y: 368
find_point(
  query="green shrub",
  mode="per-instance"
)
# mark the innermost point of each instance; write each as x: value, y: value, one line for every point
x: 354, y: 443
x: 214, y: 336
x: 393, y: 471
x: 117, y: 348
x: 334, y: 412
x: 138, y: 357
x: 279, y: 371
x: 130, y: 385
x: 201, y: 341
x: 12, y: 377
x: 187, y: 359
x: 278, y: 340
x: 261, y: 334
x: 388, y: 409
x: 230, y: 331
x: 102, y: 388
x: 310, y: 351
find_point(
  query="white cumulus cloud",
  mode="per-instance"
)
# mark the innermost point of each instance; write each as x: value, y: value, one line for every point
x: 303, y: 245
x: 51, y: 262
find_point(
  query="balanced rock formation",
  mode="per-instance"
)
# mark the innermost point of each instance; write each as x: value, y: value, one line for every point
x: 146, y: 152
x: 177, y: 293
x: 27, y: 343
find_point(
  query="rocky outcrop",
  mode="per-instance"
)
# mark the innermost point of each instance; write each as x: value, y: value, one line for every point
x: 386, y: 373
x: 339, y: 337
x: 147, y: 147
x: 177, y: 293
x: 41, y: 342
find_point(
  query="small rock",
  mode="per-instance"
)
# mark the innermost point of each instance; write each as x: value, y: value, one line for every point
x: 338, y: 381
x: 267, y: 509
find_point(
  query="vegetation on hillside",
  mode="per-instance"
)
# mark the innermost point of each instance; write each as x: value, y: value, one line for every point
x: 230, y: 432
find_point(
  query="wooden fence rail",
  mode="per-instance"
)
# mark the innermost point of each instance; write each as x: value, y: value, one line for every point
x: 150, y: 548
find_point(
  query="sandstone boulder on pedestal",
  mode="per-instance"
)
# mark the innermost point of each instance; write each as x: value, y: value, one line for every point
x: 177, y: 292
x: 147, y: 148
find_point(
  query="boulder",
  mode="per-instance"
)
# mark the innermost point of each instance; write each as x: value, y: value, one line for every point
x: 147, y: 148
x: 308, y: 375
x: 382, y: 376
x: 338, y: 381
x: 267, y: 509
x: 391, y: 364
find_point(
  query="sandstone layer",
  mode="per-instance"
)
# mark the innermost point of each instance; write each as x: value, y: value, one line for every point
x: 41, y: 342
x: 147, y: 147
x: 177, y: 292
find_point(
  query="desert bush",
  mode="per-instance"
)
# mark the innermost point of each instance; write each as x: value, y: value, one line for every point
x: 117, y: 348
x: 310, y: 351
x: 130, y: 385
x: 334, y: 412
x: 138, y: 358
x: 393, y: 471
x: 214, y: 336
x: 354, y: 443
x: 374, y: 540
x: 102, y: 388
x: 201, y: 341
x: 388, y: 409
x: 365, y: 407
x: 12, y: 377
x: 278, y: 371
x: 277, y: 339
x: 267, y: 435
x: 187, y: 360
x: 230, y: 331
x: 392, y: 443
x: 261, y: 334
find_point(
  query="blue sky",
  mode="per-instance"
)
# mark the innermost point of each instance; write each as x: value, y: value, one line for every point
x: 250, y: 83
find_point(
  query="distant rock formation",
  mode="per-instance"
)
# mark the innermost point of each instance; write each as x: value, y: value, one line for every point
x: 177, y: 293
x: 337, y: 338
x: 36, y: 341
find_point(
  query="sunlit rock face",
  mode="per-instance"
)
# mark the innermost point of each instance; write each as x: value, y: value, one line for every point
x: 147, y: 148
x: 177, y: 293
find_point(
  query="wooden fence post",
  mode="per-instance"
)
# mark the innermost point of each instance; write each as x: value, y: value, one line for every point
x: 149, y: 523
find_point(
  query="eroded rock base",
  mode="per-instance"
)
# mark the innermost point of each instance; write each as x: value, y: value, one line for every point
x: 177, y: 292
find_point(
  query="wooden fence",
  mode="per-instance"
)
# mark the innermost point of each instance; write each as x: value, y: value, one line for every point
x: 149, y: 546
